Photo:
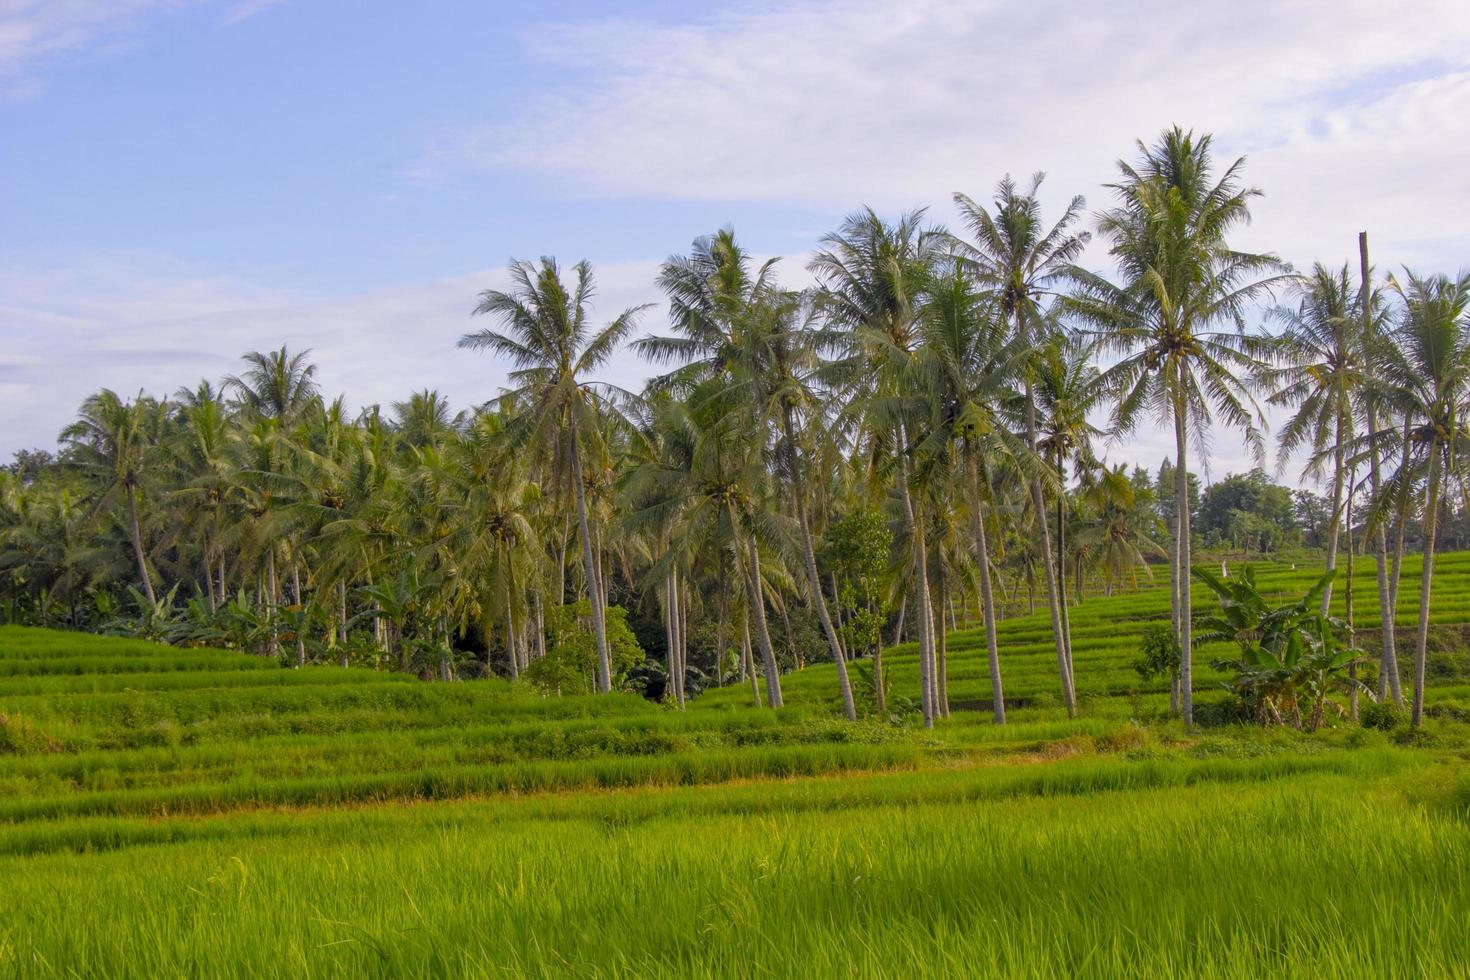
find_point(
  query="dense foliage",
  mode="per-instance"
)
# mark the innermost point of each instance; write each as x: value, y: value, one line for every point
x: 910, y: 443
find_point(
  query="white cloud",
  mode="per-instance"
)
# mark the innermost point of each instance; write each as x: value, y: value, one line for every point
x: 35, y: 32
x: 1342, y: 105
x: 245, y: 9
x: 141, y: 322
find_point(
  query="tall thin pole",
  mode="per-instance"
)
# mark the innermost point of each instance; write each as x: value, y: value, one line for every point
x: 1388, y: 671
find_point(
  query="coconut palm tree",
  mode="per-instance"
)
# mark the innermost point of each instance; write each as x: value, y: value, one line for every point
x: 872, y: 275
x: 972, y: 364
x: 1181, y: 283
x: 734, y: 322
x: 1024, y: 261
x: 1118, y: 536
x: 548, y: 338
x: 1066, y: 392
x: 110, y: 443
x: 1429, y: 385
x: 711, y: 291
x: 276, y: 384
x: 1324, y: 354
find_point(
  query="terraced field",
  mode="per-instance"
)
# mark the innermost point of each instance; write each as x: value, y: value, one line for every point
x: 186, y: 812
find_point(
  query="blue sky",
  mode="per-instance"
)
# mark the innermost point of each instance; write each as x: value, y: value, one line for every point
x: 183, y: 180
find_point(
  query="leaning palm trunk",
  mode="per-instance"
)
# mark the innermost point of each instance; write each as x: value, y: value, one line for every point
x: 913, y: 518
x: 1388, y: 671
x: 1184, y: 614
x: 747, y: 658
x: 1335, y: 527
x: 813, y: 578
x: 137, y: 538
x: 1058, y: 629
x: 1402, y: 518
x: 1426, y: 581
x: 987, y: 598
x: 589, y: 567
x: 757, y: 604
x: 923, y: 605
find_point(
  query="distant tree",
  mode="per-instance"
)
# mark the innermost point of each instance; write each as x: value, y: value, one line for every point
x: 572, y: 664
x: 29, y: 464
x: 1312, y: 513
x: 1247, y: 512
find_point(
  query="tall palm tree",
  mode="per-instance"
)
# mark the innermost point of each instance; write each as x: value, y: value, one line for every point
x: 548, y: 338
x: 972, y: 365
x: 872, y: 277
x: 276, y: 384
x: 1067, y: 390
x: 1324, y: 354
x: 786, y: 363
x: 706, y: 491
x: 1181, y: 281
x: 711, y: 291
x: 1429, y: 382
x: 109, y: 442
x: 734, y: 322
x: 1023, y: 261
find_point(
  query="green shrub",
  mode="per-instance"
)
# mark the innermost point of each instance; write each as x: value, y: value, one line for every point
x: 1384, y: 716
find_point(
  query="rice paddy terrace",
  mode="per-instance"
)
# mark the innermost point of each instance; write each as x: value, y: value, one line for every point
x: 169, y: 812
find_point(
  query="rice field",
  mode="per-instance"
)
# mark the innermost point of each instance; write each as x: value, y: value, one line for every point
x: 173, y: 812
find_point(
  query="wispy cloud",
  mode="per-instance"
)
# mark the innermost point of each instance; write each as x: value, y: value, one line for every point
x: 34, y: 33
x: 853, y: 101
x: 245, y: 9
x: 102, y: 321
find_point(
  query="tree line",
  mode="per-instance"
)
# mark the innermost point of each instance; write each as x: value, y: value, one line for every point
x: 811, y: 473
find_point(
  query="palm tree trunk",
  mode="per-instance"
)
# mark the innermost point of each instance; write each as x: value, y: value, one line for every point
x: 1184, y: 615
x: 757, y: 604
x: 923, y: 606
x: 1038, y: 504
x: 987, y: 597
x: 941, y: 651
x: 296, y: 593
x: 914, y: 519
x: 814, y: 579
x: 747, y: 659
x: 671, y: 655
x: 1334, y: 528
x: 137, y: 536
x: 589, y: 568
x: 270, y: 599
x: 1426, y: 581
x: 1402, y: 514
x: 1347, y: 598
x: 836, y: 608
x: 1062, y: 578
x: 1388, y: 668
x: 683, y: 622
x: 510, y: 637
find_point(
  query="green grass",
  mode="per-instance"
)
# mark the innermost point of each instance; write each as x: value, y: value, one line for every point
x: 189, y: 812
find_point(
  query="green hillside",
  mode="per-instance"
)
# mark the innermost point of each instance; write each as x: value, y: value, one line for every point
x: 253, y: 820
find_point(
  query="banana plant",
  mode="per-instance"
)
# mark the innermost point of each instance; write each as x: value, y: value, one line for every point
x: 1291, y: 657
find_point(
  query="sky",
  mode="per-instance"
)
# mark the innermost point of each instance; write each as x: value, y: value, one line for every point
x: 182, y: 181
